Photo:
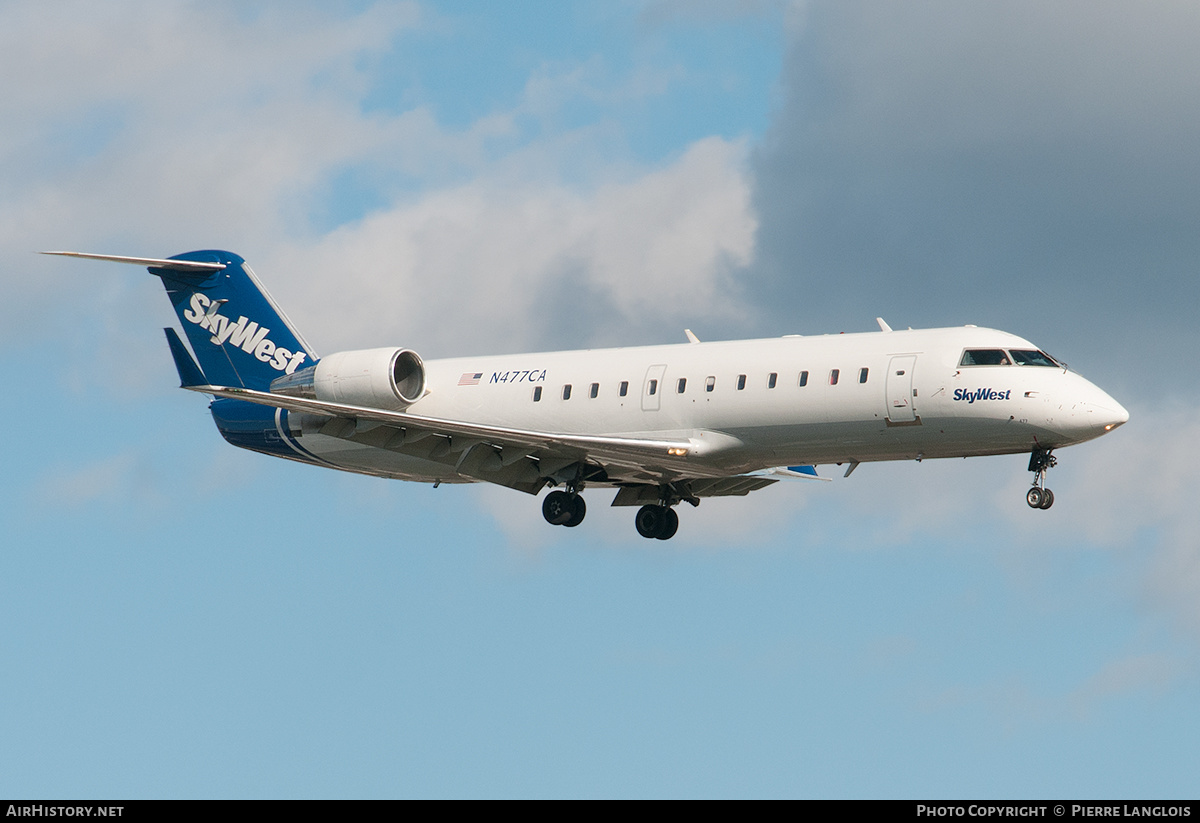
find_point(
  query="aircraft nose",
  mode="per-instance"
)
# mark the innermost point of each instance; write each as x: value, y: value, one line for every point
x: 1092, y: 413
x: 1111, y: 414
x: 1104, y: 413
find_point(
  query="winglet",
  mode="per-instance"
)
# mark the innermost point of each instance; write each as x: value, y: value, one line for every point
x: 691, y: 337
x: 882, y: 325
x: 189, y: 373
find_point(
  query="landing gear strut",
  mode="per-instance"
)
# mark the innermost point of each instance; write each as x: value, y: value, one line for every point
x: 564, y: 509
x: 1040, y: 461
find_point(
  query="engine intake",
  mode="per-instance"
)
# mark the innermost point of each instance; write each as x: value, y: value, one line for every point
x: 388, y: 378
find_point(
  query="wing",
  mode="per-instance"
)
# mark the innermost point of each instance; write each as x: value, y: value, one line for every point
x: 522, y: 458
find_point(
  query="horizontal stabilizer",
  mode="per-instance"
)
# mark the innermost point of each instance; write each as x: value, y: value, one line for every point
x: 189, y: 373
x: 149, y: 262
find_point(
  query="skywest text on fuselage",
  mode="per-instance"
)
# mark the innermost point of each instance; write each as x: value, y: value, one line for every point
x: 981, y: 394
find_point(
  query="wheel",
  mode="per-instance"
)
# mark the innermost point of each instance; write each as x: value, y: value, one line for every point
x: 1047, y: 499
x: 558, y: 508
x: 1034, y: 498
x: 578, y: 510
x: 670, y: 525
x: 649, y: 521
x: 658, y: 522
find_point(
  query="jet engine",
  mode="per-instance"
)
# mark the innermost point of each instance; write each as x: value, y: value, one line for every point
x: 391, y: 379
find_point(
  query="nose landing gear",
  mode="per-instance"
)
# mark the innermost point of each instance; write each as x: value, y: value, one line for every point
x: 1040, y: 461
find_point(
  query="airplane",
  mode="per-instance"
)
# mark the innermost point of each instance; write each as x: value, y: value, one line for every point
x: 661, y: 424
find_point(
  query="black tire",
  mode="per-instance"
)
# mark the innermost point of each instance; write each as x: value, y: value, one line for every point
x: 649, y: 521
x: 558, y: 508
x: 578, y: 511
x: 670, y: 525
x: 1047, y: 499
x: 1034, y: 498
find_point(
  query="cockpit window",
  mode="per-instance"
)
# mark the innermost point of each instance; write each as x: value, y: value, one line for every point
x: 1028, y: 357
x: 984, y: 357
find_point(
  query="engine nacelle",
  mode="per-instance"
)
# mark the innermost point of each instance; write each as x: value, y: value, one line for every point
x: 389, y: 378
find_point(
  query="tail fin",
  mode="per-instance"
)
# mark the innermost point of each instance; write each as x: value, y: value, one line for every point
x: 238, y: 334
x: 240, y: 337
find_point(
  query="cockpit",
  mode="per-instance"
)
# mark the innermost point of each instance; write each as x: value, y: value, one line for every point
x: 1009, y: 357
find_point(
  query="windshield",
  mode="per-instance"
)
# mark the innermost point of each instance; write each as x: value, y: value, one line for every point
x: 984, y: 357
x: 1032, y: 357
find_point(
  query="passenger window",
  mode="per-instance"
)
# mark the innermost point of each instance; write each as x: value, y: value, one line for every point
x: 567, y: 392
x: 862, y: 375
x: 595, y: 390
x: 741, y: 382
x: 710, y: 384
x: 682, y: 385
x: 803, y: 379
x: 624, y: 387
x: 653, y: 387
x: 771, y: 379
x: 537, y: 394
x: 984, y: 357
x: 833, y: 377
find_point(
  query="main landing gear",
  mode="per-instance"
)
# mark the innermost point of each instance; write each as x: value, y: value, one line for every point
x: 564, y: 508
x: 1040, y: 497
x: 659, y: 522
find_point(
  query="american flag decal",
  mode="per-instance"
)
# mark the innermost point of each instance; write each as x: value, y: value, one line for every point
x: 470, y: 379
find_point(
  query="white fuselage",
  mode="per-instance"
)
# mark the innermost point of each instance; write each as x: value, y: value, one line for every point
x: 898, y: 395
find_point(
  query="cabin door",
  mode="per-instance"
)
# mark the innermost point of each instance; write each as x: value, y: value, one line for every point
x: 900, y: 396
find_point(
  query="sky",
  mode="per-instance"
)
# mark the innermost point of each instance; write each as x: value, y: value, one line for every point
x: 179, y: 618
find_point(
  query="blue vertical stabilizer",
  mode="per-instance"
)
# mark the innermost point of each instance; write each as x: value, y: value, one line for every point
x: 239, y: 336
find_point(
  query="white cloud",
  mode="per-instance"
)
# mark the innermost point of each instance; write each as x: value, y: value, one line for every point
x: 151, y: 128
x: 501, y: 265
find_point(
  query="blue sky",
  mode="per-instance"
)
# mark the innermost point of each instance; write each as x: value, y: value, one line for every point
x: 182, y: 619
